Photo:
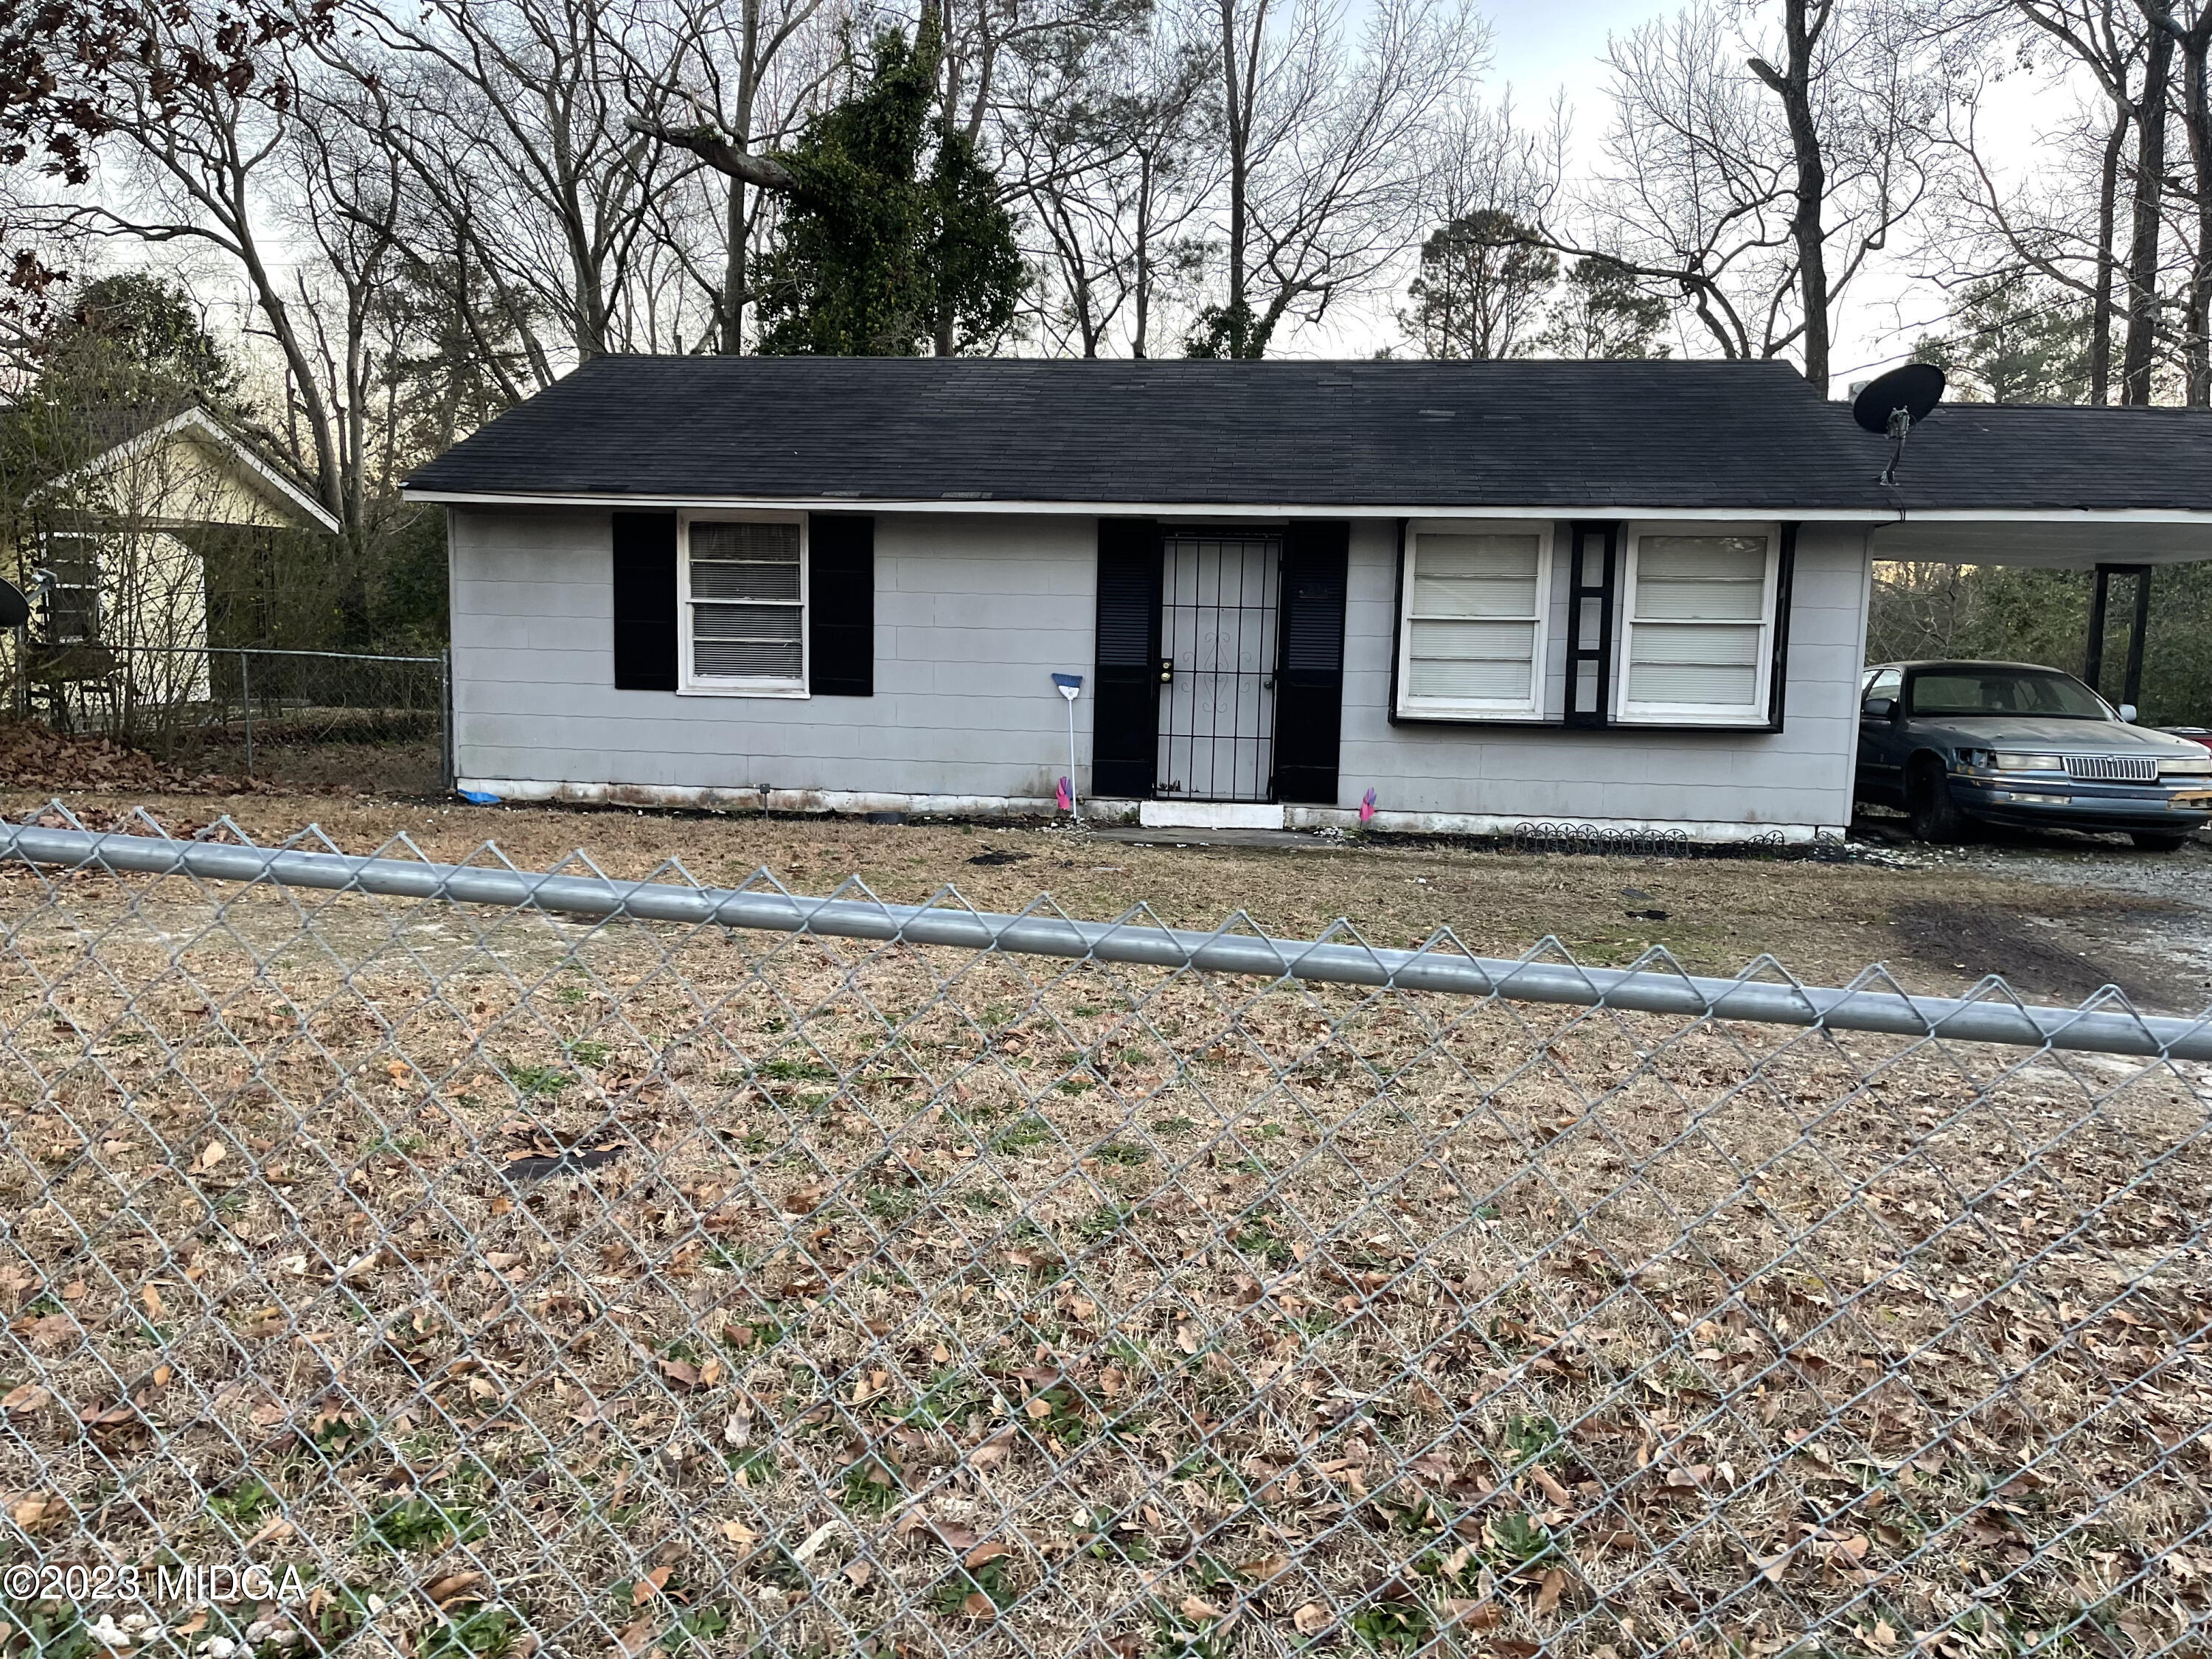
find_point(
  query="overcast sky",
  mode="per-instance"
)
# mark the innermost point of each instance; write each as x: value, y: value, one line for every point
x: 1542, y: 46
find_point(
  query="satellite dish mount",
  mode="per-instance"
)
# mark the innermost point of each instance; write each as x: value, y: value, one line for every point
x: 1894, y: 404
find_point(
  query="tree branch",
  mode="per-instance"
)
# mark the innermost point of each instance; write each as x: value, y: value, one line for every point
x: 708, y: 143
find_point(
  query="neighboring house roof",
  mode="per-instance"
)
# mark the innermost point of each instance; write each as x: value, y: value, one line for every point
x: 1665, y: 435
x: 2028, y: 457
x: 129, y: 434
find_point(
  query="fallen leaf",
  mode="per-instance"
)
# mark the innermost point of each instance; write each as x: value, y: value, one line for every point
x: 979, y: 1606
x: 649, y: 1585
x: 152, y: 1296
x: 954, y: 1536
x: 1266, y: 1567
x: 210, y: 1155
x: 1483, y: 1615
x: 680, y: 1372
x: 635, y: 1638
x: 27, y: 1398
x: 456, y: 1587
x: 1547, y: 1598
x: 989, y: 1552
x: 1311, y: 1619
x: 1198, y: 1610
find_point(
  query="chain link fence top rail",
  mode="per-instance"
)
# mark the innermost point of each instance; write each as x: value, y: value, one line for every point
x: 511, y: 1262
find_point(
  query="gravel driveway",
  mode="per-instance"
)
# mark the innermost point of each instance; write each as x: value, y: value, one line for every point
x: 2155, y: 940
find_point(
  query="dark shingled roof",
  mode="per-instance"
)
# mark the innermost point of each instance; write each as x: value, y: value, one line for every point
x: 1669, y: 434
x: 2022, y: 457
x: 1597, y: 435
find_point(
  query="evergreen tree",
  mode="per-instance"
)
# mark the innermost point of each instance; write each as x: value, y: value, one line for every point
x: 2012, y: 341
x: 1481, y: 286
x: 130, y: 341
x: 1601, y: 312
x: 893, y: 239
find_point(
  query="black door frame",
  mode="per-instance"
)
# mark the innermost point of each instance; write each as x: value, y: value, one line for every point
x: 1308, y: 656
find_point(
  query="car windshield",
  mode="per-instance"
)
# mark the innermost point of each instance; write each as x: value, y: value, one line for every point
x: 1970, y: 691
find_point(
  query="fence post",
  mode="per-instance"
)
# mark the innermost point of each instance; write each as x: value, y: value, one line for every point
x: 245, y: 701
x: 448, y: 772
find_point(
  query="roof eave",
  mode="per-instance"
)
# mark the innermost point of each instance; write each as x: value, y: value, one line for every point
x: 963, y: 504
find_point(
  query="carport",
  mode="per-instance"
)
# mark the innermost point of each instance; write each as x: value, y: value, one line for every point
x: 2114, y: 492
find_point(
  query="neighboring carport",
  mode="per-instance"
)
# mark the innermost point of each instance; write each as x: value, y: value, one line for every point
x: 2117, y: 493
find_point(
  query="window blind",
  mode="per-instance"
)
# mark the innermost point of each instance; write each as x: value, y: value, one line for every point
x: 1698, y: 626
x: 1475, y: 620
x: 747, y: 614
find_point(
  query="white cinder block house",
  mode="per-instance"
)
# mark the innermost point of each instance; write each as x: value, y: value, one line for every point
x: 1626, y: 594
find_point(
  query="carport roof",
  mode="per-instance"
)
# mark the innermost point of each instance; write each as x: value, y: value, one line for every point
x: 2054, y: 457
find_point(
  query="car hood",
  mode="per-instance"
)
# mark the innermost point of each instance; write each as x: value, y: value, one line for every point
x: 2062, y: 737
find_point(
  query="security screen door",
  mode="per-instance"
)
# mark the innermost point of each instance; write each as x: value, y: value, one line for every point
x: 1219, y: 596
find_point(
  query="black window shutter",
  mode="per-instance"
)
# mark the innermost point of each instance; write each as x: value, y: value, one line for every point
x: 1309, y: 661
x: 841, y: 598
x: 645, y: 601
x: 1785, y: 578
x: 1125, y: 739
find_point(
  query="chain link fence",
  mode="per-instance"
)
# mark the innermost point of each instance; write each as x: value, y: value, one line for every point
x: 311, y: 718
x: 497, y: 1261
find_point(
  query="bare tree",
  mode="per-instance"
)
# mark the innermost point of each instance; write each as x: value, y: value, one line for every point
x: 1694, y: 190
x: 1805, y: 24
x: 1324, y: 146
x: 527, y: 100
x: 2190, y: 33
x: 1110, y: 136
x: 202, y: 161
x: 743, y: 77
x: 2106, y: 40
x: 1757, y: 163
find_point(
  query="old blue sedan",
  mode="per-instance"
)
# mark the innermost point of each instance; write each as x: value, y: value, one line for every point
x: 2014, y: 743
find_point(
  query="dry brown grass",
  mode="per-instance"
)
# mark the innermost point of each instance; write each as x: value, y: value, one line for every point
x: 935, y: 1303
x: 1826, y: 921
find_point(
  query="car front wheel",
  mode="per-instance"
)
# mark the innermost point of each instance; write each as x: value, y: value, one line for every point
x: 1935, y: 816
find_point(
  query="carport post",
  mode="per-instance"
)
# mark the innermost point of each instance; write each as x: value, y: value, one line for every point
x: 2093, y: 657
x: 2131, y: 678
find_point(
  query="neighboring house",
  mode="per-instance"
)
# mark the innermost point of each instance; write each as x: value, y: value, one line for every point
x: 120, y: 592
x: 1606, y: 594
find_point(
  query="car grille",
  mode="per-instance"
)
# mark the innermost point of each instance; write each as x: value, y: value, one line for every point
x: 2112, y: 769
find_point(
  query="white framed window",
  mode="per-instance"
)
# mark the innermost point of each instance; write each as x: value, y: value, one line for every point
x: 1476, y: 602
x: 1697, y: 635
x: 741, y: 604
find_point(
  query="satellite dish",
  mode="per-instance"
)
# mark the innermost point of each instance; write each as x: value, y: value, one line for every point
x: 14, y: 609
x: 1894, y: 404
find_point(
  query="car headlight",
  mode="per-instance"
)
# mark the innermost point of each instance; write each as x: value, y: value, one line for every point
x: 2030, y: 763
x: 2186, y: 768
